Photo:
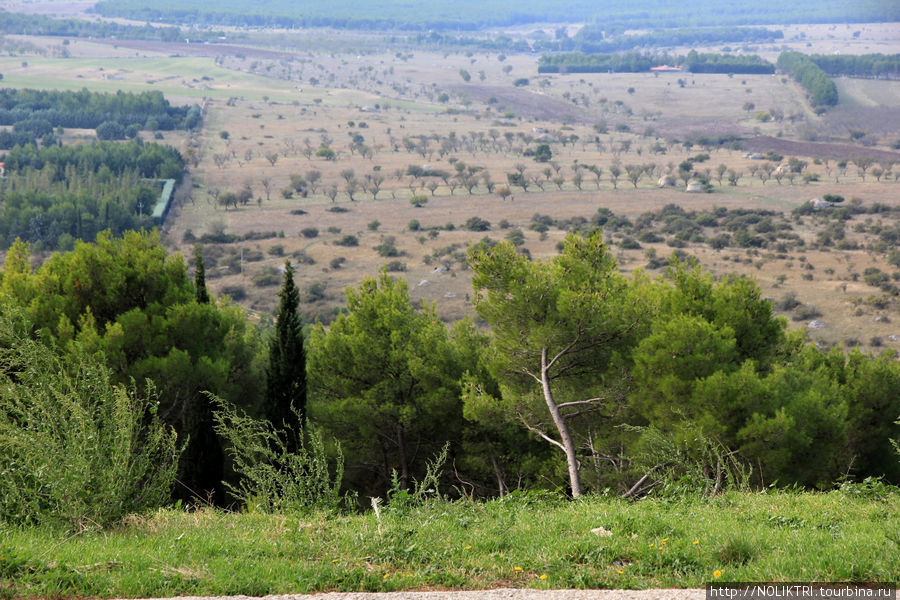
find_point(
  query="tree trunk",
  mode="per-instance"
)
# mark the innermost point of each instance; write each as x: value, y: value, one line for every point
x: 501, y: 485
x: 561, y: 426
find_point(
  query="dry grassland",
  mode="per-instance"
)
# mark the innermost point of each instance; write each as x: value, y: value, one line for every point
x: 278, y: 100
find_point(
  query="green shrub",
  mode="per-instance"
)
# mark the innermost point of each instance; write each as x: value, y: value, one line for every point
x: 266, y: 277
x: 75, y: 449
x: 309, y: 232
x: 348, y: 240
x: 477, y: 224
x: 271, y: 478
x: 235, y: 292
x: 395, y: 266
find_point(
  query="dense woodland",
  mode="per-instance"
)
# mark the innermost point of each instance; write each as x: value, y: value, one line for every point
x: 53, y: 196
x: 860, y: 65
x: 36, y: 113
x: 586, y: 380
x: 576, y: 62
x: 466, y: 15
x: 598, y: 39
x: 22, y: 24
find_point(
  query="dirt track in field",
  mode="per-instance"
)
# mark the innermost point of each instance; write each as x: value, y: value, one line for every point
x: 499, y: 594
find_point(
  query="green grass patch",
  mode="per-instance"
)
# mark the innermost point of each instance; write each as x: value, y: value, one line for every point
x: 178, y: 76
x: 521, y: 541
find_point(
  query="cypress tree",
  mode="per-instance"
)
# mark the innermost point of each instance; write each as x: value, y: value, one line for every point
x: 200, y: 276
x: 286, y: 374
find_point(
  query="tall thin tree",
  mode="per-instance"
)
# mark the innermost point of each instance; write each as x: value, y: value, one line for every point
x: 200, y: 276
x: 286, y: 374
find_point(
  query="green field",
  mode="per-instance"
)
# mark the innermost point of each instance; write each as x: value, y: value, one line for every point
x: 177, y: 77
x: 522, y: 541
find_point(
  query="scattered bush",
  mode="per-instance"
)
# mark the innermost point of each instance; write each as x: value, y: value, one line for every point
x: 348, y: 241
x: 477, y: 224
x: 395, y: 266
x: 268, y: 276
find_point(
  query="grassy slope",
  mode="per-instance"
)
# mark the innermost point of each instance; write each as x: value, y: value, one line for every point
x: 517, y: 543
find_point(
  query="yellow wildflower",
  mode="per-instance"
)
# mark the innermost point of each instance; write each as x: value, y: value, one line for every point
x: 544, y: 576
x: 517, y: 569
x: 717, y: 573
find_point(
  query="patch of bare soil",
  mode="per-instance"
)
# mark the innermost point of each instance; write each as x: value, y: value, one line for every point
x: 497, y: 594
x: 209, y: 50
x: 818, y: 149
x: 527, y: 103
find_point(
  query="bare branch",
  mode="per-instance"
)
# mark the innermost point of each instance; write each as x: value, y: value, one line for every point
x: 637, y: 485
x: 578, y: 402
x: 540, y: 433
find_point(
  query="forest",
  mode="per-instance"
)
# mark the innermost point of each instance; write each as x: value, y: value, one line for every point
x: 31, y: 24
x: 586, y: 381
x: 574, y: 62
x: 465, y: 15
x: 36, y: 113
x: 599, y: 39
x: 55, y: 195
x: 859, y: 65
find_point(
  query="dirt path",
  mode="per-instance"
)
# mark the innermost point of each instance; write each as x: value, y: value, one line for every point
x: 499, y: 594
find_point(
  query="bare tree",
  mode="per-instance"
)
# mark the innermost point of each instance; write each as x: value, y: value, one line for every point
x: 351, y: 187
x: 312, y: 180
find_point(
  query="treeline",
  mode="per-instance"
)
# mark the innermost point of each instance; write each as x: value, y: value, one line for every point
x: 594, y: 40
x: 39, y: 111
x: 575, y: 62
x: 821, y: 89
x: 586, y: 379
x: 861, y: 65
x: 57, y: 195
x: 749, y: 64
x: 597, y: 39
x: 22, y: 24
x: 468, y: 15
x: 150, y: 160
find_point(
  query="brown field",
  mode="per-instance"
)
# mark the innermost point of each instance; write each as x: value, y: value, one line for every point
x: 304, y: 89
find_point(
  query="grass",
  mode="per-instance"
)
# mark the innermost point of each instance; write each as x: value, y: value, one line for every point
x: 179, y: 77
x: 523, y: 541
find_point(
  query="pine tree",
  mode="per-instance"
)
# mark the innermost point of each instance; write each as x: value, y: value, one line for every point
x: 286, y: 374
x: 200, y: 276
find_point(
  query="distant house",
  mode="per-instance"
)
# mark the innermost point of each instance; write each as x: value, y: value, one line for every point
x: 2, y: 169
x: 665, y: 69
x: 820, y: 203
